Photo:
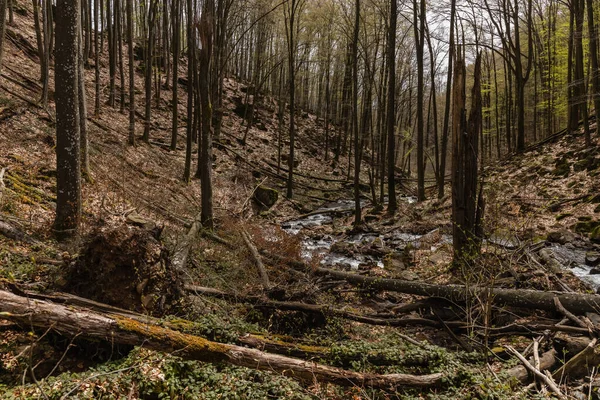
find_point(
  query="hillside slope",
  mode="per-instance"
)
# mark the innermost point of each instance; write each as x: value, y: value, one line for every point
x: 541, y: 218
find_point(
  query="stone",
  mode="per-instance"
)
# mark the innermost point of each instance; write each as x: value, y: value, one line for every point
x: 138, y: 220
x: 595, y: 271
x: 394, y: 261
x: 266, y: 197
x: 592, y: 259
x: 408, y: 276
x: 561, y: 237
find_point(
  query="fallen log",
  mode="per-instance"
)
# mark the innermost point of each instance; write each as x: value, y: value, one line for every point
x: 311, y: 308
x: 14, y: 233
x: 577, y: 303
x: 72, y: 321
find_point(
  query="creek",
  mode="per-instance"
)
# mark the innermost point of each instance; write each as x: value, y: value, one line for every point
x: 323, y: 238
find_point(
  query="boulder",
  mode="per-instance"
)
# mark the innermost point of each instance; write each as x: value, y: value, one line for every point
x: 265, y: 197
x: 592, y: 259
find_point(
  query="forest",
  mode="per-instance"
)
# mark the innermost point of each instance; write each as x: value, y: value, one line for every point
x: 299, y: 199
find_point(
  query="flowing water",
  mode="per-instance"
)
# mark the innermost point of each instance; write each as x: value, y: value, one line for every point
x: 343, y: 251
x: 347, y: 251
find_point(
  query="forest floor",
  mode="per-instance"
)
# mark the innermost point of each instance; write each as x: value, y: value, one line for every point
x: 541, y: 229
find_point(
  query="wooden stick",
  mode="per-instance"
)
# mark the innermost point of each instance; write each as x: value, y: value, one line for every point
x: 257, y: 260
x: 571, y: 316
x: 543, y: 377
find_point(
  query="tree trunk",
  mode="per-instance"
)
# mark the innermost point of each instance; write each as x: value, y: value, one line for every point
x: 593, y: 34
x: 97, y: 51
x: 131, y: 72
x: 357, y: 139
x: 464, y: 165
x: 191, y: 44
x: 206, y: 39
x: 391, y: 109
x: 75, y: 321
x: 82, y: 100
x: 3, y: 8
x: 148, y: 69
x: 175, y: 103
x: 68, y: 175
x: 577, y: 303
x: 419, y: 31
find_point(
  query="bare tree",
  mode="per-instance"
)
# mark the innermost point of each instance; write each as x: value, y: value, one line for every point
x: 68, y: 176
x: 391, y: 108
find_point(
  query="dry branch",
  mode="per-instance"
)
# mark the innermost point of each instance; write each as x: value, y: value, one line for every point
x: 543, y: 377
x: 547, y: 360
x: 72, y: 321
x: 259, y: 264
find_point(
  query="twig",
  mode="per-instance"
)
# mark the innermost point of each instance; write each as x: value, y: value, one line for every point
x: 257, y: 260
x: 543, y: 377
x: 411, y: 340
x: 572, y: 316
x: 2, y: 185
x: 251, y: 194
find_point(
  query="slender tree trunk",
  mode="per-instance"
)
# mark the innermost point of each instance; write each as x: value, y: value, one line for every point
x: 191, y: 43
x: 580, y: 83
x: 131, y: 72
x: 38, y: 37
x: 82, y: 100
x: 206, y: 38
x: 419, y: 30
x: 68, y: 172
x: 46, y: 54
x: 292, y: 12
x: 111, y: 52
x: 3, y: 8
x: 391, y: 108
x: 593, y: 42
x: 357, y: 138
x: 175, y: 88
x: 119, y: 40
x: 148, y: 69
x: 97, y: 50
x: 445, y: 128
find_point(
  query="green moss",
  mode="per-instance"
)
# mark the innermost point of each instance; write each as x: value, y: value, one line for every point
x: 560, y: 217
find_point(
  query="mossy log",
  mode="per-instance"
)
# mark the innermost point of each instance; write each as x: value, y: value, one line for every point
x: 577, y: 303
x: 71, y: 321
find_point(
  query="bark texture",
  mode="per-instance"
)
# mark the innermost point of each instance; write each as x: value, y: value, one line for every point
x: 70, y: 321
x: 68, y: 180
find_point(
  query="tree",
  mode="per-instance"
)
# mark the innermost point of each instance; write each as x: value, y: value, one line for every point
x: 292, y: 10
x: 206, y: 38
x: 595, y: 72
x: 176, y: 39
x: 445, y: 127
x: 3, y: 7
x: 466, y: 209
x: 129, y: 12
x: 391, y: 108
x: 519, y: 64
x: 419, y: 31
x: 191, y: 45
x: 68, y: 176
x: 148, y: 62
x: 357, y: 139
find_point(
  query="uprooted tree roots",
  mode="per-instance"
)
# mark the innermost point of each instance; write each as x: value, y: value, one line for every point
x: 129, y: 268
